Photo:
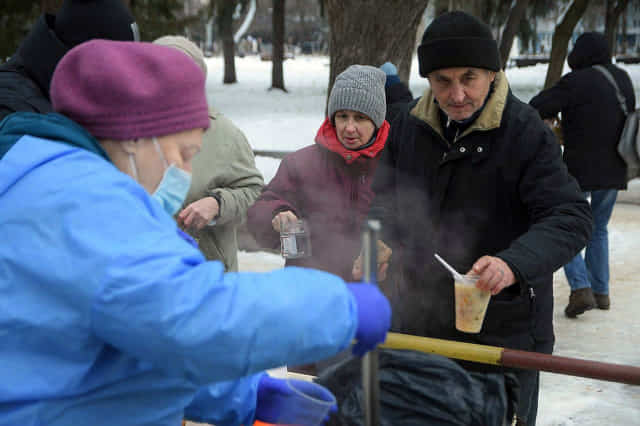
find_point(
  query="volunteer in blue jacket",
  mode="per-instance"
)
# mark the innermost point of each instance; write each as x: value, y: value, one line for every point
x: 108, y: 314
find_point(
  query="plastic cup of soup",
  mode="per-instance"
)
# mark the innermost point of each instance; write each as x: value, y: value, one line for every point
x: 471, y: 304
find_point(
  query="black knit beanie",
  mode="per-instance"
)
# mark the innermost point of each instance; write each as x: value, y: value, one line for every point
x: 456, y: 39
x: 80, y: 20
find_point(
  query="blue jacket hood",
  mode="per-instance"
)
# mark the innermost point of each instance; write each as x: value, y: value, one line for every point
x: 50, y: 126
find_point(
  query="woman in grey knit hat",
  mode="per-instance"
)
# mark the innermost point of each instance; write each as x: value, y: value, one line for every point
x: 328, y: 184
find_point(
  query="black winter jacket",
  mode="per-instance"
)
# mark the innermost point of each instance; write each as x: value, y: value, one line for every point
x: 592, y: 119
x: 25, y: 78
x: 501, y: 189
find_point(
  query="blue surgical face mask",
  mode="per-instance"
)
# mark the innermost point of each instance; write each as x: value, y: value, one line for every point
x: 174, y: 186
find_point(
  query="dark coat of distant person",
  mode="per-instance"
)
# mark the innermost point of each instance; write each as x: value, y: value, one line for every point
x: 592, y: 118
x: 26, y: 77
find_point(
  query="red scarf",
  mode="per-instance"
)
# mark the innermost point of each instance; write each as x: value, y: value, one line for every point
x: 328, y: 138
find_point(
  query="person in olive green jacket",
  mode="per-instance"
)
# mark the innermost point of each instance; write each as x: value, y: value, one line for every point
x: 225, y: 179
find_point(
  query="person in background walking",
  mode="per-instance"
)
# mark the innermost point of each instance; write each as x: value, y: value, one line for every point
x: 26, y: 77
x: 225, y: 179
x: 472, y: 173
x: 592, y: 121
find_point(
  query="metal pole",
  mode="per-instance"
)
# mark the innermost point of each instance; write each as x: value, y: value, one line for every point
x: 370, y: 384
x: 496, y: 355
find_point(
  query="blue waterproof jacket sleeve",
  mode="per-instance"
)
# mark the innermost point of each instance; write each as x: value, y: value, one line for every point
x: 159, y: 300
x: 151, y: 294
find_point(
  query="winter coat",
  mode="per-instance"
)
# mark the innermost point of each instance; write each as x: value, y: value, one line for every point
x: 330, y: 188
x: 592, y: 119
x: 502, y: 190
x: 25, y: 78
x: 224, y: 168
x: 108, y: 316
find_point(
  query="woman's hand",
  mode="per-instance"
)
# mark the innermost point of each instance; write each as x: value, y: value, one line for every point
x: 282, y: 219
x: 199, y: 214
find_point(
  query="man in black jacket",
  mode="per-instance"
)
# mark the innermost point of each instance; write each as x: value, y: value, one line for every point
x: 472, y: 173
x: 592, y: 121
x: 25, y: 78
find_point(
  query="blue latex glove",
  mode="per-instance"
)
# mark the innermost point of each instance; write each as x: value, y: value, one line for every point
x: 389, y: 68
x: 374, y: 317
x: 278, y: 403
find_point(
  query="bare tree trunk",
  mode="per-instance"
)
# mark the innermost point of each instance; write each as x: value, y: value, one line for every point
x: 511, y: 29
x: 277, y: 54
x: 560, y: 41
x: 359, y: 36
x: 614, y: 10
x: 225, y: 29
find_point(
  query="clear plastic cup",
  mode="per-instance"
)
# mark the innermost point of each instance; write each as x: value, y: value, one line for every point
x: 295, y: 241
x: 309, y: 406
x: 471, y: 304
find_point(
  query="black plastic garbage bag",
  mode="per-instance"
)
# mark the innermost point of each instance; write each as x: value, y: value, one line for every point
x: 421, y: 389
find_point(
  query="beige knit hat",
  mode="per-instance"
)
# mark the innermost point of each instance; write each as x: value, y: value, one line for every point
x: 186, y: 46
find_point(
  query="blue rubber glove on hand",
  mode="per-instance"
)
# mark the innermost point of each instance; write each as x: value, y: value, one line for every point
x: 389, y: 68
x: 283, y: 403
x: 374, y: 317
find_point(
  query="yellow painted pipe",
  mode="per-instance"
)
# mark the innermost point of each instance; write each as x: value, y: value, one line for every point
x: 449, y: 348
x: 515, y: 358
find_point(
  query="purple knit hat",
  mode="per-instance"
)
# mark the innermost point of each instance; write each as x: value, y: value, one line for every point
x: 128, y: 90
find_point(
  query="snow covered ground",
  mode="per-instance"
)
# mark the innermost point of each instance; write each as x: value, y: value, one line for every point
x: 607, y: 336
x: 288, y: 121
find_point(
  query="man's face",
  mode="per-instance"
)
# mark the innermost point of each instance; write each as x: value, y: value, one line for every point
x: 460, y: 91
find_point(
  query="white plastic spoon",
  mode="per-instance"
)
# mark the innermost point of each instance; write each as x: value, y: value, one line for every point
x: 456, y: 275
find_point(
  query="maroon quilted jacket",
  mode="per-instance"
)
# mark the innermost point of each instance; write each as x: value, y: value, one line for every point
x: 328, y: 186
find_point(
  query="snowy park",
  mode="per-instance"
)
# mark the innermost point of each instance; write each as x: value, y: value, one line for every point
x: 209, y: 220
x: 273, y: 120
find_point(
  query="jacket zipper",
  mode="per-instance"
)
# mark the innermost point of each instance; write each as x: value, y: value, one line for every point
x: 532, y: 299
x: 449, y: 145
